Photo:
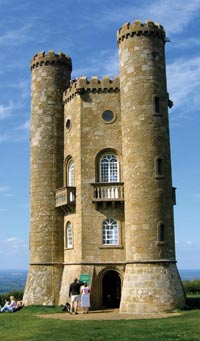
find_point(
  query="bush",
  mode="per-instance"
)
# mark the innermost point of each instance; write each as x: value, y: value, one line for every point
x: 192, y: 287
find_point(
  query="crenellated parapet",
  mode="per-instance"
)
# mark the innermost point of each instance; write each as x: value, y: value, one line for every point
x: 138, y: 28
x: 51, y: 58
x: 94, y: 84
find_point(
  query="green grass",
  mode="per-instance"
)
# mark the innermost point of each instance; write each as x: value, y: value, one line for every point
x: 27, y: 325
x: 193, y: 295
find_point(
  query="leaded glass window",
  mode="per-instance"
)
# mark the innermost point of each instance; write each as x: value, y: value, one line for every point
x: 109, y: 168
x: 110, y: 232
x: 71, y: 173
x: 69, y: 235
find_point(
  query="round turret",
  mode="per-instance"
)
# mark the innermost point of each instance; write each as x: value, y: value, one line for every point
x: 149, y: 224
x: 51, y: 58
x: 144, y: 103
x: 138, y: 28
x: 50, y: 77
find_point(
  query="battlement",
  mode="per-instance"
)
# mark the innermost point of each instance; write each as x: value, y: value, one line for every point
x: 140, y: 29
x: 94, y: 84
x: 51, y: 58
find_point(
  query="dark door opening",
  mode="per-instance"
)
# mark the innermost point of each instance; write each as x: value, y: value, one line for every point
x: 111, y: 285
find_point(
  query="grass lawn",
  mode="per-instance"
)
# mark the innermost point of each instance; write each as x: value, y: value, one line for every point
x: 27, y: 325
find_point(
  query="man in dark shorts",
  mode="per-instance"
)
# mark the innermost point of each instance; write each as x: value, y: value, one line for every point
x: 74, y: 293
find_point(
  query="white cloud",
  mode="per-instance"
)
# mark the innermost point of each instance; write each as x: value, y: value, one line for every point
x: 24, y: 126
x: 184, y: 84
x: 16, y: 243
x: 185, y: 43
x: 9, y: 195
x: 17, y: 36
x: 3, y: 137
x: 5, y: 110
x: 109, y: 66
x: 11, y: 239
x: 173, y: 15
x: 3, y: 189
x: 185, y: 243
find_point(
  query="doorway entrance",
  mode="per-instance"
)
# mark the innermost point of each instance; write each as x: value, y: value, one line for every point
x: 111, y: 289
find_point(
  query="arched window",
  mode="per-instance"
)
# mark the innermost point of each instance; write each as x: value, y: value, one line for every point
x: 69, y: 243
x: 161, y: 232
x: 70, y: 173
x: 110, y: 233
x: 109, y: 168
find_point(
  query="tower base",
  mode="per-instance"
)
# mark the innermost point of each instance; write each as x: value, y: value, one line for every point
x: 69, y: 273
x: 43, y: 285
x: 151, y: 288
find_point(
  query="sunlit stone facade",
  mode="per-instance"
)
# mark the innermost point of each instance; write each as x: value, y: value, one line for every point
x: 101, y: 186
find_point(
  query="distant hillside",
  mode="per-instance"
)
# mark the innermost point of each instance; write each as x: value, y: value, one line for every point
x: 16, y: 279
x: 12, y: 280
x: 189, y: 275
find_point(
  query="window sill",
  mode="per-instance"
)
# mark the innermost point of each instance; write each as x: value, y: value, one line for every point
x: 111, y: 247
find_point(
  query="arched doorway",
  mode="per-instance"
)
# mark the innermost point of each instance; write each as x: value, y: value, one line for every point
x: 111, y: 289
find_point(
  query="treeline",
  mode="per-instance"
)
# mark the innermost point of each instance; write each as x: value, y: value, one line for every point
x: 192, y: 287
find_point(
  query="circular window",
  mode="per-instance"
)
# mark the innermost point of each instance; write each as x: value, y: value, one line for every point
x: 108, y: 116
x: 68, y: 124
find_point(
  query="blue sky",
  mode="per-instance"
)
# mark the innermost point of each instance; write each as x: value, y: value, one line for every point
x: 86, y: 30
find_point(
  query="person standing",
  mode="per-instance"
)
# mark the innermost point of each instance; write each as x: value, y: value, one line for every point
x: 74, y: 293
x: 85, y: 297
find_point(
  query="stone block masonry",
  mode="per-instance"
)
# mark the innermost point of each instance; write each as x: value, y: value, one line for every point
x: 101, y: 190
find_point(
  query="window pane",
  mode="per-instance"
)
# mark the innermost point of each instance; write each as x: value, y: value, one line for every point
x: 69, y: 235
x: 71, y: 173
x: 107, y: 115
x: 110, y: 232
x: 109, y: 168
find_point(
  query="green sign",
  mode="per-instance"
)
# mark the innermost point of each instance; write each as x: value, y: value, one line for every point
x: 85, y: 278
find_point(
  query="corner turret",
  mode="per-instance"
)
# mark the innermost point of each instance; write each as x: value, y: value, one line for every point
x: 51, y: 75
x: 51, y: 58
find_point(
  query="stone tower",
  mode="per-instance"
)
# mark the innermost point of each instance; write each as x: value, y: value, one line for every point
x: 101, y: 184
x: 151, y: 281
x: 50, y: 77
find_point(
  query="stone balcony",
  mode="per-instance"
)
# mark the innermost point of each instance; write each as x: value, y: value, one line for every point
x: 106, y: 192
x: 66, y: 198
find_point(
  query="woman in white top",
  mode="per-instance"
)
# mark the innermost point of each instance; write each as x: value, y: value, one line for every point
x: 9, y: 306
x: 85, y: 297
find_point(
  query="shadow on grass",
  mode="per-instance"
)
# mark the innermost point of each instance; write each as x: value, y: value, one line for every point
x: 193, y: 303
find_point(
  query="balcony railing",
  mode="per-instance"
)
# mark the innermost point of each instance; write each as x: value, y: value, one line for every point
x: 65, y: 198
x: 107, y: 191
